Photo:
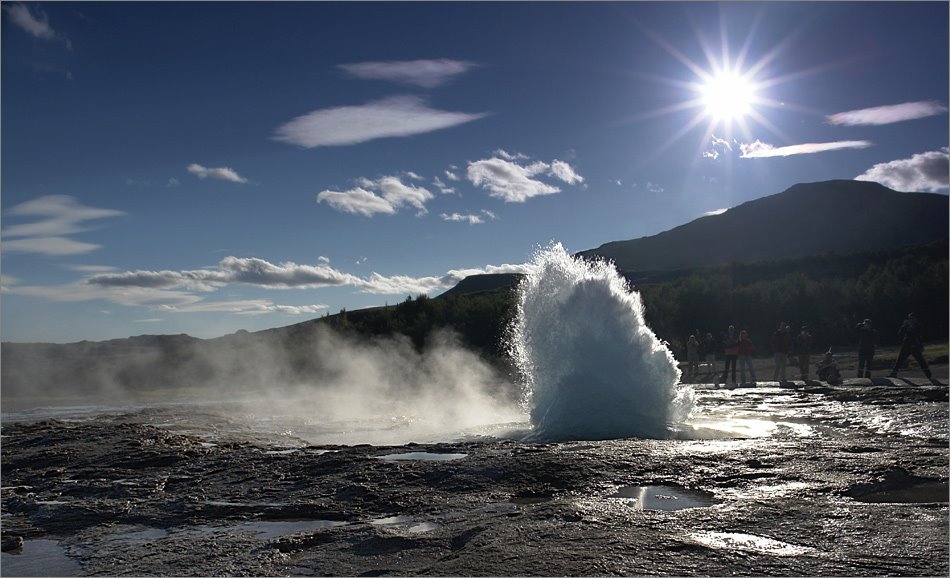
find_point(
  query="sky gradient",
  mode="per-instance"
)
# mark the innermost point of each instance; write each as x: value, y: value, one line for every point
x: 202, y: 168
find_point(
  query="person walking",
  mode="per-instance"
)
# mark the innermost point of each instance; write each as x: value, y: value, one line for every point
x: 781, y: 348
x: 867, y: 340
x: 746, y: 348
x: 692, y: 356
x: 803, y: 350
x: 730, y: 346
x: 909, y: 335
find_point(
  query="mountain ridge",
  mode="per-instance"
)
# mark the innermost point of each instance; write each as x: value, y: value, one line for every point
x: 805, y: 219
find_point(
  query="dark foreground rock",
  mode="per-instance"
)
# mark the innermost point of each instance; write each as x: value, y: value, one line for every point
x: 126, y: 498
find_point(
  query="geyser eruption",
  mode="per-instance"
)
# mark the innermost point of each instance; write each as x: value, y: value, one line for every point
x: 591, y: 366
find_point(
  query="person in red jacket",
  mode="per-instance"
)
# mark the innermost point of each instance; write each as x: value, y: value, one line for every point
x: 730, y: 346
x: 781, y: 348
x: 746, y: 348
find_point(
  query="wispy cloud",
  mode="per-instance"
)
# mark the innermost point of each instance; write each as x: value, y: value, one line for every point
x: 229, y: 271
x: 221, y: 173
x: 924, y: 172
x: 714, y: 212
x: 38, y: 26
x: 507, y: 179
x: 289, y: 275
x: 717, y: 145
x: 397, y: 116
x: 759, y: 149
x: 888, y: 114
x: 363, y: 200
x: 57, y: 216
x: 424, y: 73
x: 471, y: 219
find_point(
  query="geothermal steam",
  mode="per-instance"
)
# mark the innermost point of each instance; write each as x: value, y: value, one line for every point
x: 592, y: 368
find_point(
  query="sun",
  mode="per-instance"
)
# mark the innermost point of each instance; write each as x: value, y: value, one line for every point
x: 727, y: 96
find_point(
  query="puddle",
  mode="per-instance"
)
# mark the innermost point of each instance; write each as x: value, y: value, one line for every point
x: 428, y: 456
x: 749, y: 543
x: 925, y: 493
x: 419, y: 528
x: 666, y: 498
x: 40, y: 558
x: 267, y: 530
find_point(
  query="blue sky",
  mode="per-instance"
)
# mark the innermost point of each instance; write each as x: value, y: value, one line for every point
x: 207, y: 167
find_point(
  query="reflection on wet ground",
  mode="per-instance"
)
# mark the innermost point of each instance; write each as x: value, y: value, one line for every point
x: 40, y: 557
x: 424, y: 456
x: 667, y: 498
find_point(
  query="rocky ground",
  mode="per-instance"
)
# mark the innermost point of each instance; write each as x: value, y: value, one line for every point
x: 854, y: 496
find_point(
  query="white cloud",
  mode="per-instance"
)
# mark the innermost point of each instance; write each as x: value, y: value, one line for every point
x: 459, y: 218
x: 515, y: 183
x: 923, y: 172
x: 172, y: 182
x: 509, y: 156
x: 53, y: 246
x: 398, y: 116
x: 759, y: 149
x: 37, y: 26
x: 887, y: 114
x: 717, y: 144
x: 358, y: 201
x: 242, y: 307
x: 323, y: 260
x: 424, y: 73
x: 714, y: 212
x: 394, y: 194
x: 654, y: 188
x: 565, y: 172
x: 449, y: 174
x: 446, y: 190
x: 59, y: 215
x: 232, y: 270
x: 222, y: 173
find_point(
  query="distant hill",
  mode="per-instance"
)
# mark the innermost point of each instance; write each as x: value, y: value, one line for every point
x: 807, y: 219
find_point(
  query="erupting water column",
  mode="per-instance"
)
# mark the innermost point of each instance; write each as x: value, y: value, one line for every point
x: 592, y: 368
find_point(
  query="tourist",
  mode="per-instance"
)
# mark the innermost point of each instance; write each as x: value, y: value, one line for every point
x: 802, y: 351
x: 746, y: 348
x: 709, y: 350
x: 781, y: 348
x: 827, y: 369
x: 692, y: 356
x: 867, y: 339
x: 730, y: 346
x: 911, y: 345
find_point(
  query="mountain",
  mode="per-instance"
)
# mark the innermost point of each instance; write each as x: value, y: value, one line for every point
x: 807, y: 219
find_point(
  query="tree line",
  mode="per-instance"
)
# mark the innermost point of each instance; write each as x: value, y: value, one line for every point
x: 829, y: 293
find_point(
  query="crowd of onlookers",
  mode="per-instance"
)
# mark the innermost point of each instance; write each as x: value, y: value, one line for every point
x: 737, y: 349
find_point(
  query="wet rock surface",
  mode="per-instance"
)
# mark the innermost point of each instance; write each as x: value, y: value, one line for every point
x: 854, y: 495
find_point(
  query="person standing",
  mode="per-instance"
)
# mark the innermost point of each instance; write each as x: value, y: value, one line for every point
x: 867, y: 340
x: 803, y: 350
x: 909, y: 335
x: 781, y: 348
x: 746, y: 348
x: 730, y: 346
x: 692, y: 356
x: 709, y: 349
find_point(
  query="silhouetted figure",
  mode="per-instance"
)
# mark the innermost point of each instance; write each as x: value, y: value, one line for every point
x: 692, y: 356
x: 730, y: 348
x: 827, y: 369
x: 911, y: 345
x: 709, y: 350
x: 867, y: 340
x: 746, y: 348
x: 802, y: 350
x: 781, y: 348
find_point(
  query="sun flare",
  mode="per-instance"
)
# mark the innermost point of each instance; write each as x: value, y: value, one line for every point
x: 728, y: 96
